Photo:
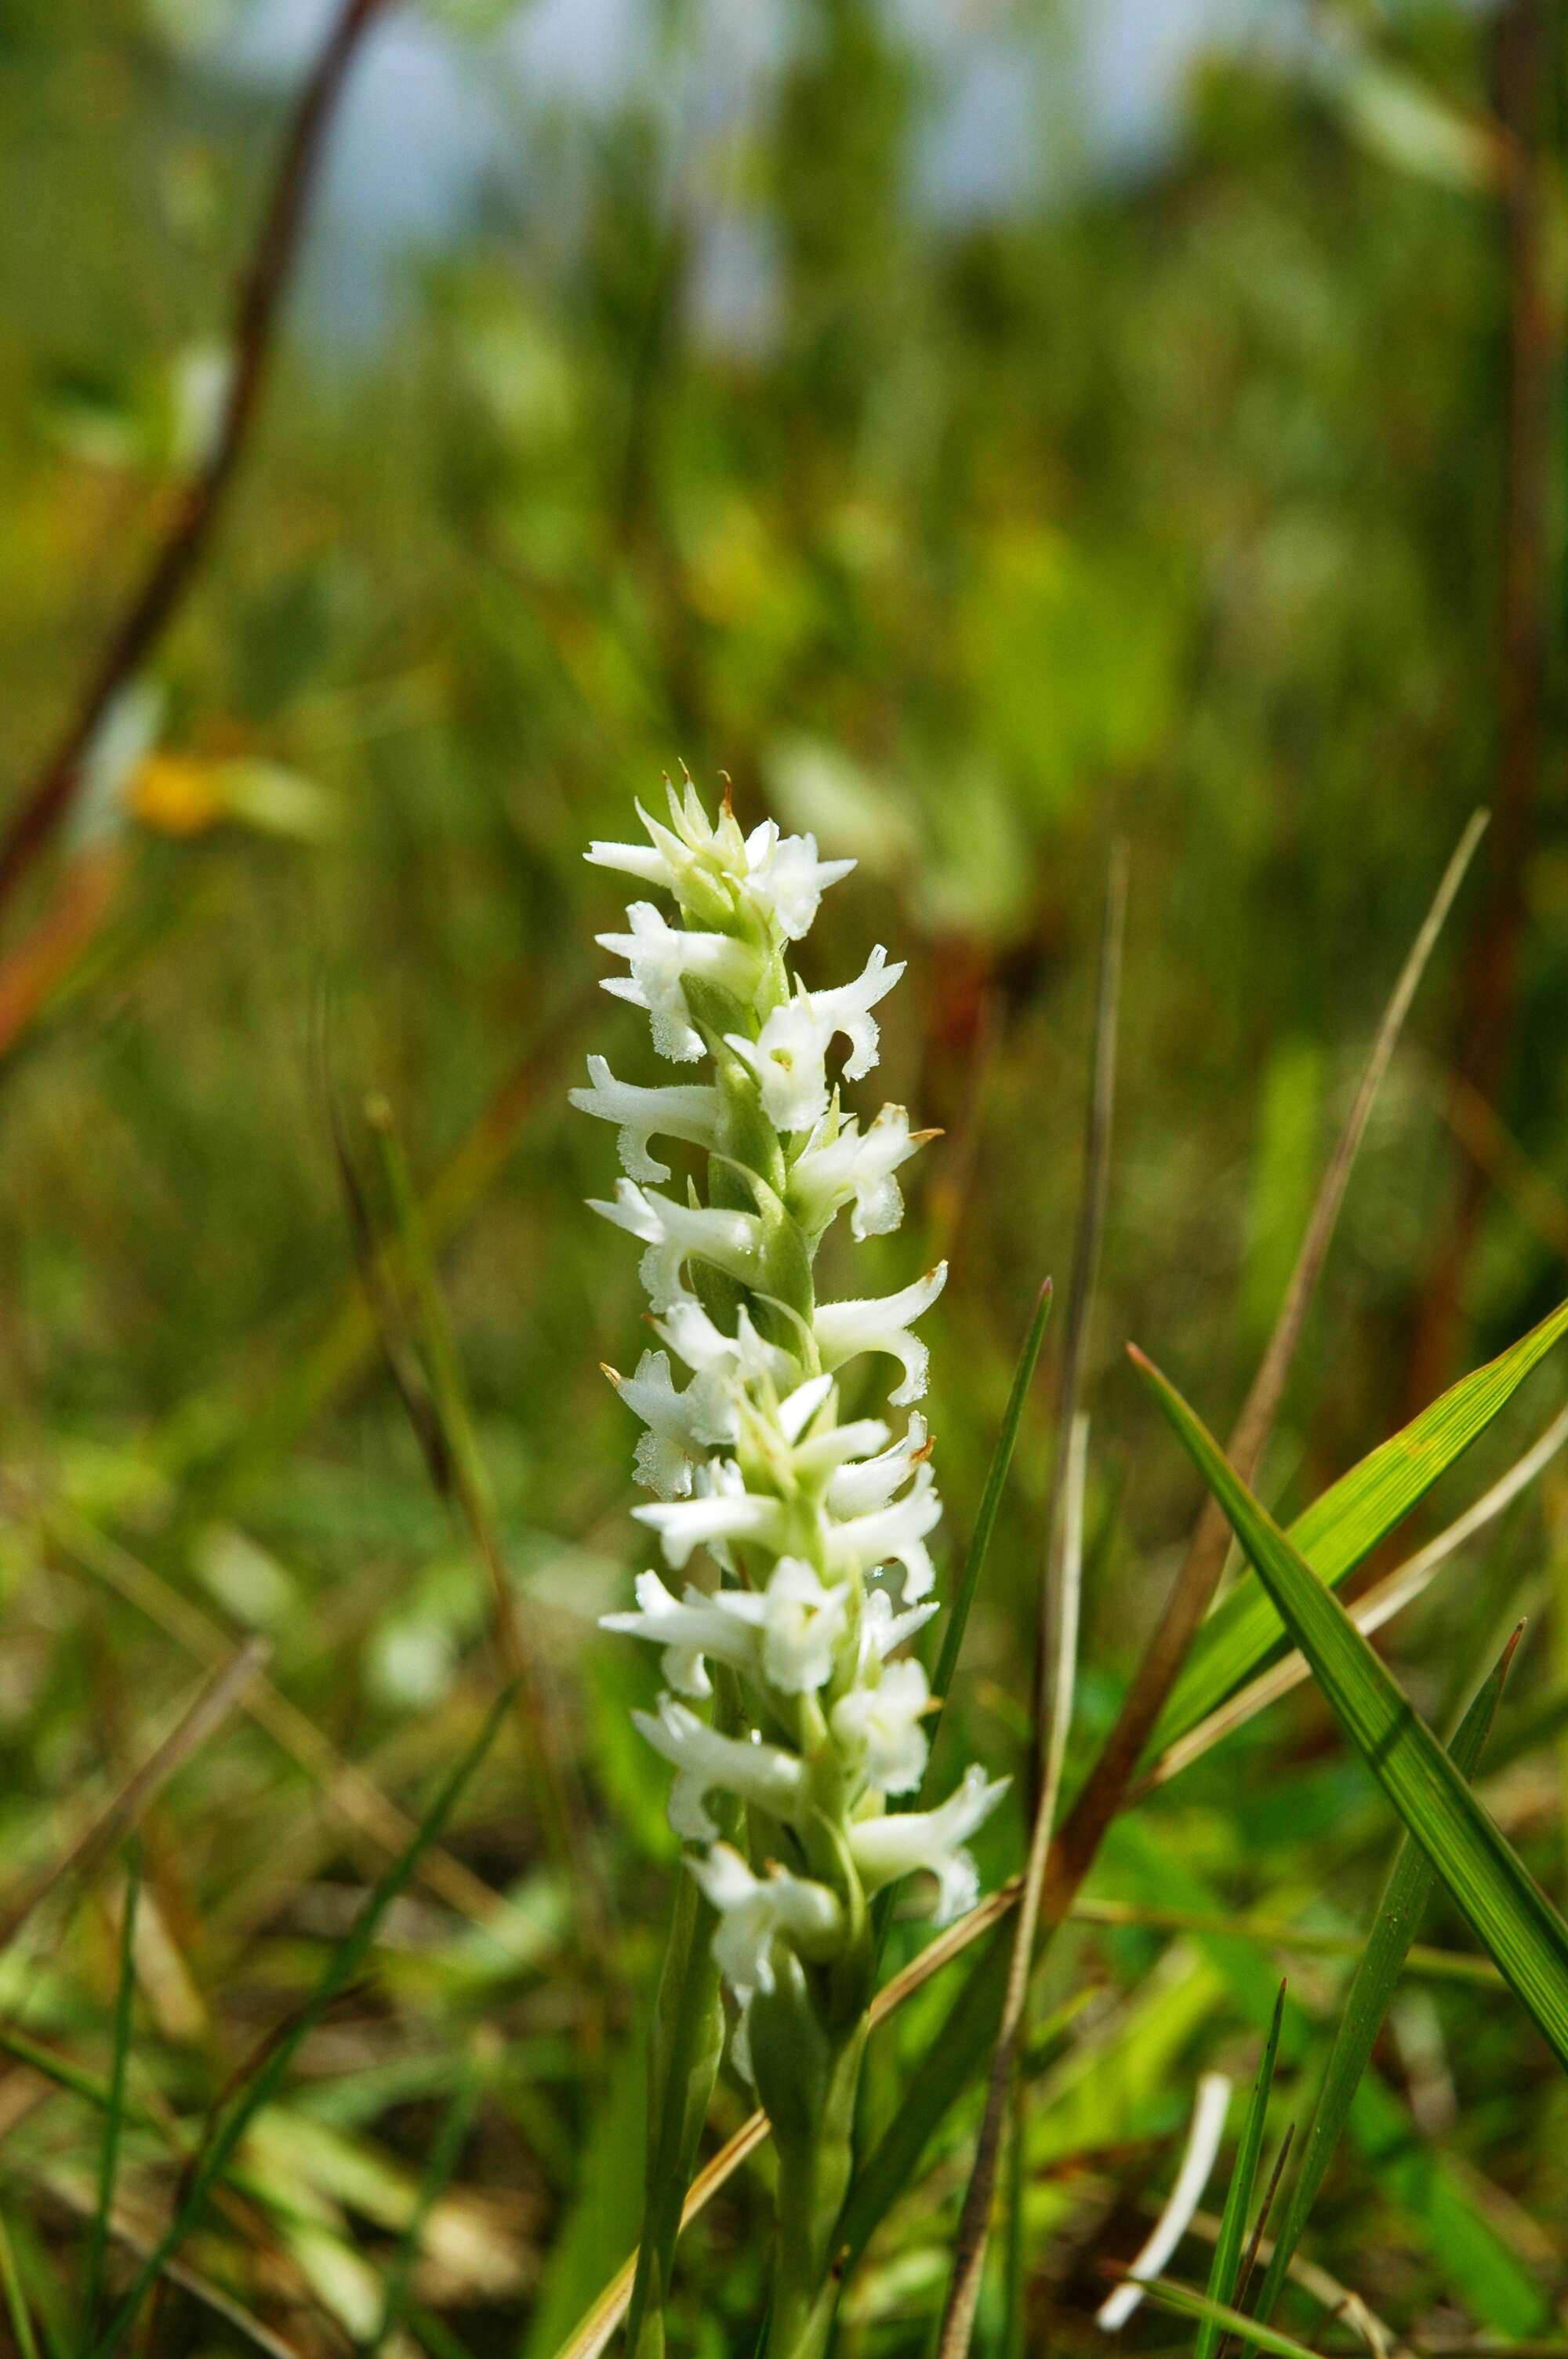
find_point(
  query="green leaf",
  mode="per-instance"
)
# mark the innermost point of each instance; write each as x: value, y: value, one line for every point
x: 601, y: 2217
x: 1187, y: 2303
x: 1436, y: 2198
x: 108, y: 2153
x: 1343, y: 1527
x: 985, y: 1522
x: 1394, y: 1928
x: 953, y: 2058
x: 1506, y: 1908
x: 1226, y: 2267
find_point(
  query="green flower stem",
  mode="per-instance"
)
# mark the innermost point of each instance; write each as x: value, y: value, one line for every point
x: 813, y: 2184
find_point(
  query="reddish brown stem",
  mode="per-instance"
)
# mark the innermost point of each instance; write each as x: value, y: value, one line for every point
x: 156, y: 597
x: 1490, y: 982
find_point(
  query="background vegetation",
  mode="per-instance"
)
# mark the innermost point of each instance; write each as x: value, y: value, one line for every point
x: 985, y: 435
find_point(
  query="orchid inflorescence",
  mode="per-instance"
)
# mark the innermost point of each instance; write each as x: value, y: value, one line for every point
x: 815, y: 1527
x: 793, y: 1538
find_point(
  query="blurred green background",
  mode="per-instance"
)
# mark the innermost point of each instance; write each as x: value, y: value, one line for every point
x: 984, y: 432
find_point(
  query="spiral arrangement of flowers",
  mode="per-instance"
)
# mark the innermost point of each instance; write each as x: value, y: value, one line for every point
x: 793, y: 1539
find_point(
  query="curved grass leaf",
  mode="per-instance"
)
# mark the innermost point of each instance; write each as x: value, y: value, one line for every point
x: 1188, y: 2303
x: 1397, y: 1923
x: 1226, y: 2264
x: 985, y: 1522
x: 1508, y: 1913
x: 956, y: 2057
x: 1341, y: 1528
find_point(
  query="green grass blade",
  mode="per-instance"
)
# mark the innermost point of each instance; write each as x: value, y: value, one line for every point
x: 956, y: 2057
x: 108, y: 2153
x: 1340, y: 1530
x: 1186, y: 2302
x: 1398, y: 1917
x: 1226, y: 2266
x: 1508, y: 1913
x: 450, y: 2140
x: 16, y: 2299
x: 685, y: 2042
x: 985, y: 1522
x: 344, y: 1963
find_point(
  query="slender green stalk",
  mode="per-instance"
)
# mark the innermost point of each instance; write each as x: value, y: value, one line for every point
x: 1398, y: 1920
x: 1225, y: 2268
x: 108, y: 2153
x: 16, y: 2299
x: 445, y: 2154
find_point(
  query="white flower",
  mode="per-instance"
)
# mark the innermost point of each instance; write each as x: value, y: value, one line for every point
x: 802, y: 1625
x: 720, y: 1364
x: 849, y: 1010
x: 900, y: 1841
x: 789, y: 1054
x: 856, y: 1490
x: 662, y: 860
x: 755, y: 1911
x: 882, y: 1724
x: 789, y: 1058
x: 698, y: 860
x: 703, y: 1760
x: 665, y: 1452
x: 711, y: 868
x: 893, y: 1534
x: 786, y: 877
x: 727, y: 1512
x: 688, y: 1111
x: 881, y: 1629
x: 673, y: 1233
x: 661, y: 956
x: 839, y: 1164
x: 843, y: 1328
x: 690, y: 1628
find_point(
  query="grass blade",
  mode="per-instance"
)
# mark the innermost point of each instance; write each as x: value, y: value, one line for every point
x: 450, y: 2140
x: 1188, y: 2302
x: 985, y: 1522
x: 1165, y: 1657
x: 685, y: 2039
x: 1203, y: 2146
x: 1226, y: 2266
x: 109, y: 2154
x: 1376, y: 1606
x: 1057, y: 1637
x: 458, y: 1471
x: 1340, y: 1530
x: 1398, y: 1917
x: 955, y: 2055
x: 1508, y: 1913
x: 347, y: 1958
x: 16, y: 2299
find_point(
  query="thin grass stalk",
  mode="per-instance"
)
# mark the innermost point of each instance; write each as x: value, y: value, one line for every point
x: 963, y: 2292
x: 445, y: 2155
x: 1370, y: 1611
x: 1225, y: 2267
x: 16, y: 2298
x: 1055, y: 1670
x: 108, y: 2153
x: 1395, y: 1925
x: 561, y: 1816
x: 1190, y: 1599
